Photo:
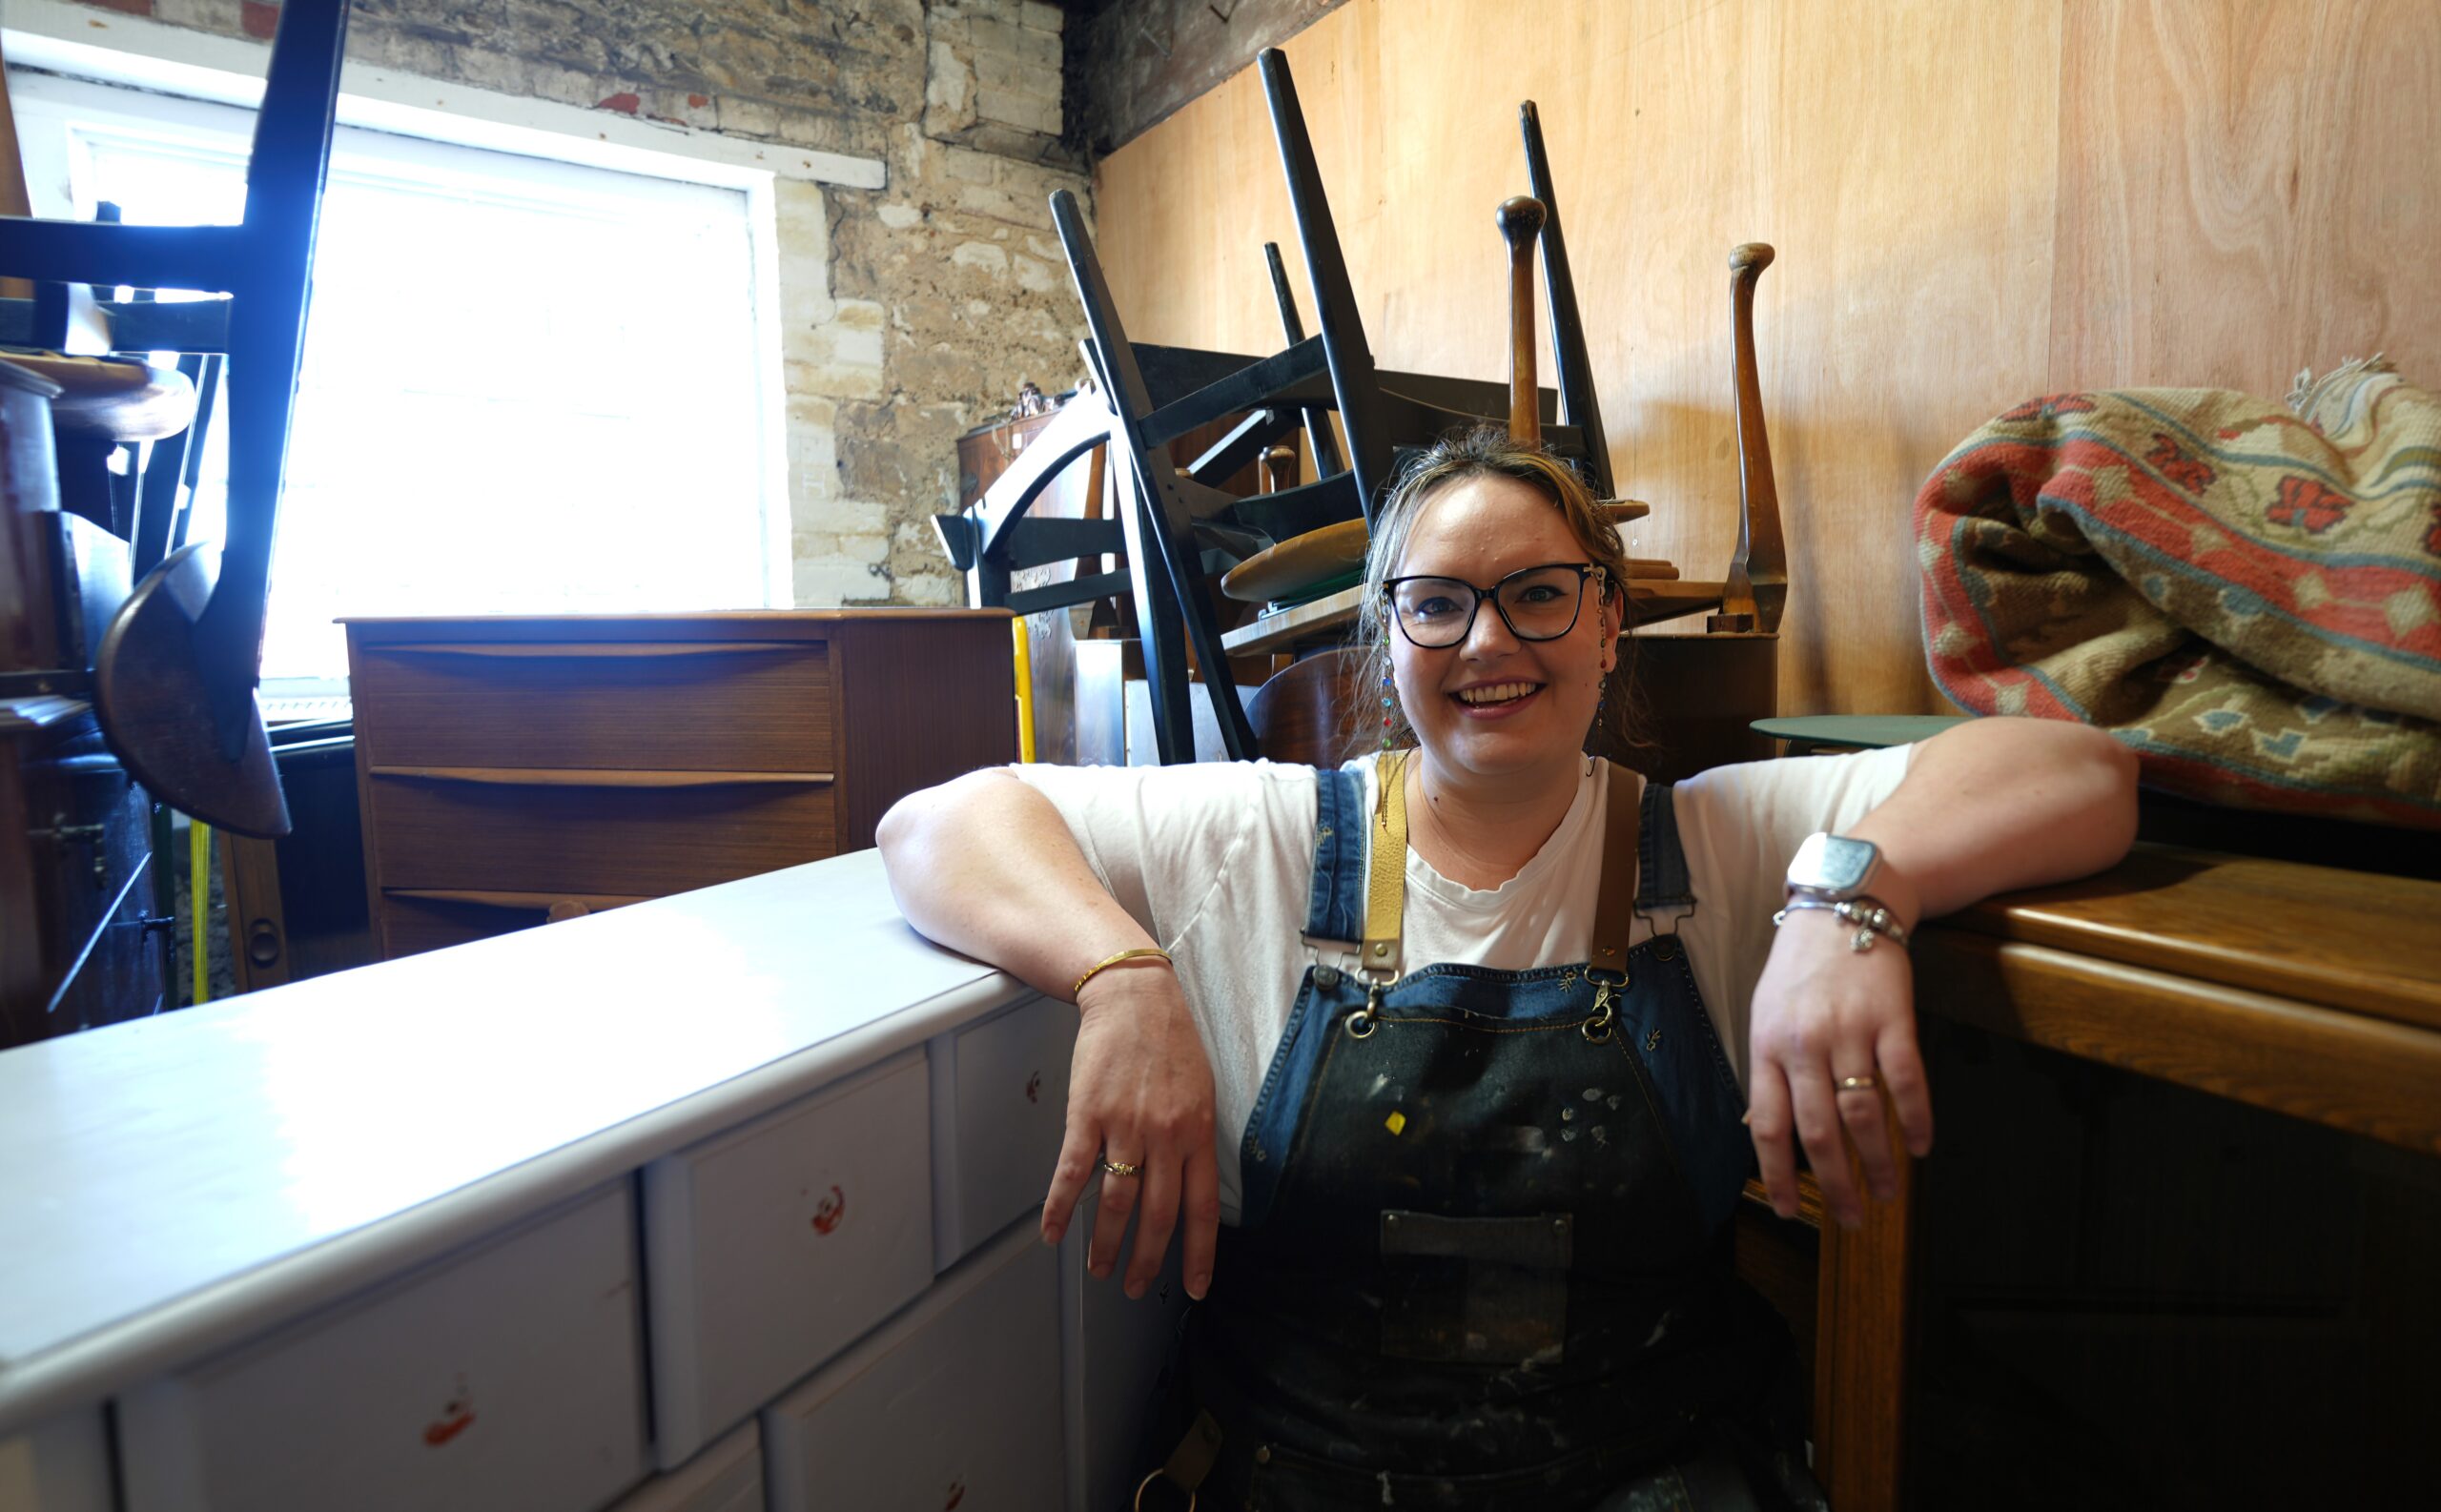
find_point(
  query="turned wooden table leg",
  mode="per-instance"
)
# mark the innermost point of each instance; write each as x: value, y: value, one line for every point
x: 1862, y: 1351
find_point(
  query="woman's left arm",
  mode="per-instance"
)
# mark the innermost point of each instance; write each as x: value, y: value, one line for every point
x: 1988, y: 807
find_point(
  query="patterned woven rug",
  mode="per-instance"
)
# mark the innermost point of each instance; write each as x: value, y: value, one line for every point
x: 2248, y: 594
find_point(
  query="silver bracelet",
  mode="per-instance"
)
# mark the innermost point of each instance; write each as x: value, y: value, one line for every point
x: 1868, y: 914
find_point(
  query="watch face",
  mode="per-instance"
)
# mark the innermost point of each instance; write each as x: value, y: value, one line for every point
x: 1832, y: 864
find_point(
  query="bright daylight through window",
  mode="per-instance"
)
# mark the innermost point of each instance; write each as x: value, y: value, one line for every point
x: 529, y: 387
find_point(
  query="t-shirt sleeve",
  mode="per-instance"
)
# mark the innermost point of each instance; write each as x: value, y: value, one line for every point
x: 1740, y: 825
x: 1161, y: 839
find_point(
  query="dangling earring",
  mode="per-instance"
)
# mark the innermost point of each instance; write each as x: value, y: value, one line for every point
x: 1389, y: 702
x: 1602, y: 692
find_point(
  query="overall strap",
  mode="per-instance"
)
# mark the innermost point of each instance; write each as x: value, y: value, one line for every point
x: 1664, y: 884
x: 1613, y: 908
x: 1334, y: 906
x: 1385, y: 882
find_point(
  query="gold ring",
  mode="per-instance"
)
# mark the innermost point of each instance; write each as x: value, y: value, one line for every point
x: 1868, y: 1082
x: 1121, y: 1168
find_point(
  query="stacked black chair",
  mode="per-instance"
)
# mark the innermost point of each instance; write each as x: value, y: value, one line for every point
x: 176, y: 676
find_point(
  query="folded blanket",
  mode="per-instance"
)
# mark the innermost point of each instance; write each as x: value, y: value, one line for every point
x: 2249, y: 595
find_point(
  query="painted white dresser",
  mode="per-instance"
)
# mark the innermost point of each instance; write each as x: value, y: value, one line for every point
x: 720, y: 1202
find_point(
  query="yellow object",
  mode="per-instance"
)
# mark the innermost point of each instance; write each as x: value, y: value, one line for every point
x: 199, y: 903
x: 1107, y: 961
x: 1025, y: 693
x: 1396, y: 1123
x: 1386, y: 877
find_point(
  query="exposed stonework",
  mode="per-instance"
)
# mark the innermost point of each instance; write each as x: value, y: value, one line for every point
x: 910, y: 313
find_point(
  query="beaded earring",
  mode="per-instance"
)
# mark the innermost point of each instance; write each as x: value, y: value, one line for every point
x: 1389, y: 702
x: 1602, y: 693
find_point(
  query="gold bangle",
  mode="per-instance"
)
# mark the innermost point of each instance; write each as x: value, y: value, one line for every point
x: 1108, y: 961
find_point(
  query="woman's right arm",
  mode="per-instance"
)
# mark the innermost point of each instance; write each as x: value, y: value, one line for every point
x: 986, y: 866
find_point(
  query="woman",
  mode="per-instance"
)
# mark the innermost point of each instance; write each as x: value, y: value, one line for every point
x: 1452, y: 1040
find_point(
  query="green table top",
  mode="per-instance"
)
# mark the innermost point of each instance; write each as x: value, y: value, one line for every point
x: 1857, y: 732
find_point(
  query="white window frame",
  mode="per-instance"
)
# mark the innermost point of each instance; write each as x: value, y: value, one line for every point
x: 75, y: 41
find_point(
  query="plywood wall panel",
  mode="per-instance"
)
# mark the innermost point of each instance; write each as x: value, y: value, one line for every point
x: 2245, y: 189
x: 1972, y: 203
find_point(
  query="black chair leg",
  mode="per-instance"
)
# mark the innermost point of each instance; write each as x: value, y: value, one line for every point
x: 1353, y: 376
x: 1318, y: 422
x: 1573, y: 367
x: 1159, y: 630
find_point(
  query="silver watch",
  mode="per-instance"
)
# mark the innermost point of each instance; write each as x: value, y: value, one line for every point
x: 1834, y: 867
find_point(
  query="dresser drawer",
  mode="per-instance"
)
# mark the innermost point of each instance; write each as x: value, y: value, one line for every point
x: 999, y: 1135
x: 508, y: 1376
x: 61, y: 1465
x: 954, y: 1404
x: 774, y: 1246
x: 725, y: 1477
x: 626, y: 835
x: 659, y: 705
x: 413, y: 923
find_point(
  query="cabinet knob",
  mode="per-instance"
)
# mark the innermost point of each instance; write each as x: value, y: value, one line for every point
x: 263, y: 941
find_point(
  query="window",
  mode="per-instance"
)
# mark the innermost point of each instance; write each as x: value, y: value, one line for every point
x: 528, y: 387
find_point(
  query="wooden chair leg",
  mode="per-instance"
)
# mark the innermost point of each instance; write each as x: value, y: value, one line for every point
x: 1862, y: 1347
x: 1757, y: 584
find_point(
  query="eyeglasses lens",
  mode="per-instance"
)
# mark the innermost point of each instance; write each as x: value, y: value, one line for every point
x: 1539, y: 604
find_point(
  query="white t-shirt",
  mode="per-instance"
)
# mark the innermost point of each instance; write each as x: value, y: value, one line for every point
x: 1216, y: 860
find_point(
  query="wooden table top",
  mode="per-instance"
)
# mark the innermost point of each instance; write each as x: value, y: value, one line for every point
x: 2317, y: 934
x: 2306, y: 989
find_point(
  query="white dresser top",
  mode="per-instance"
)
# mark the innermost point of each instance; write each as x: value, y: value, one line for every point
x: 170, y: 1185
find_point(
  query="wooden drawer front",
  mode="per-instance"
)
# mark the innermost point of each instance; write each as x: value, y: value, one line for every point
x: 673, y: 706
x: 1112, y: 1353
x: 725, y: 1477
x: 508, y: 1377
x: 61, y: 1465
x: 774, y: 1246
x: 410, y: 925
x: 1009, y: 1109
x: 954, y: 1404
x: 638, y: 841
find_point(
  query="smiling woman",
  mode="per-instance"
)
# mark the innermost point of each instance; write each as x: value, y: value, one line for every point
x: 1438, y: 1061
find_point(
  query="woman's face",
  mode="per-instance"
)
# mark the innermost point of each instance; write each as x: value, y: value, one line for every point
x: 1494, y: 704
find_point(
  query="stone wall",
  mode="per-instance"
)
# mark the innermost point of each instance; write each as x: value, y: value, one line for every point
x: 911, y: 312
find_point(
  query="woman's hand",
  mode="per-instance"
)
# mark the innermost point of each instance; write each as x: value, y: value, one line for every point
x: 1140, y: 1093
x: 1824, y: 1011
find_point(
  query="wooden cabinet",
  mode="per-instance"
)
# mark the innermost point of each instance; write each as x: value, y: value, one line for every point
x: 512, y: 768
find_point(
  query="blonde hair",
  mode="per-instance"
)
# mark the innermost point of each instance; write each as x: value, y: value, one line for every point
x: 1487, y: 452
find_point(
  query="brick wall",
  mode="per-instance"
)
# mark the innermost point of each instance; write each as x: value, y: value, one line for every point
x: 910, y: 311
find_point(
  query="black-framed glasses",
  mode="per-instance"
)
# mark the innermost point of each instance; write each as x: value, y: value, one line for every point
x: 1537, y: 603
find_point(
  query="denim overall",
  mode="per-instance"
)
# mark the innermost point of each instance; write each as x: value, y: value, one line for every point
x: 1482, y: 1259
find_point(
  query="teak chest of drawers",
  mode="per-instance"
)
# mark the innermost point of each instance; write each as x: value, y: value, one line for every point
x: 516, y: 768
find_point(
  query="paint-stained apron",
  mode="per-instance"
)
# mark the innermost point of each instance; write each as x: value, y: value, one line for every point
x: 1482, y: 1258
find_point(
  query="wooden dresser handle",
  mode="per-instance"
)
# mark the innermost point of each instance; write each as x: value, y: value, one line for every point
x: 623, y: 650
x: 603, y: 777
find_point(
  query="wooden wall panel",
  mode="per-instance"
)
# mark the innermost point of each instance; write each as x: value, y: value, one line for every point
x: 1972, y: 204
x: 2246, y: 189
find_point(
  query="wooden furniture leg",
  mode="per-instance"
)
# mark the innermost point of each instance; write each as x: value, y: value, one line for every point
x: 1861, y: 1349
